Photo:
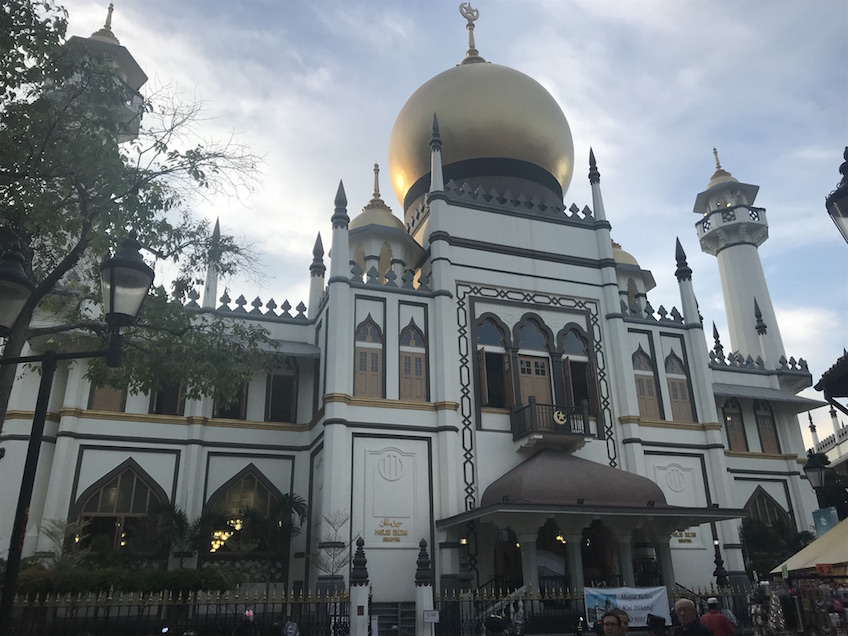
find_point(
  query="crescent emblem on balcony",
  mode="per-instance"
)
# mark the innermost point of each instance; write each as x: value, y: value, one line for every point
x: 559, y: 417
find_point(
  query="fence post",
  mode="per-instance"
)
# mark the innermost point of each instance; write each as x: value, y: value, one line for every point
x: 423, y: 590
x: 359, y: 589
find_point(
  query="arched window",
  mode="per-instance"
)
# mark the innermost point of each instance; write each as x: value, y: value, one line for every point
x: 734, y: 426
x: 368, y: 373
x: 678, y: 389
x: 115, y: 505
x: 646, y: 385
x: 579, y: 378
x: 766, y: 428
x: 281, y: 393
x: 493, y: 366
x: 413, y: 364
x: 763, y: 507
x: 534, y: 366
x: 247, y: 503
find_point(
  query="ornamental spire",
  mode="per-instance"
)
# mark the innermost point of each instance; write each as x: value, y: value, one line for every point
x: 470, y: 14
x: 317, y: 267
x: 719, y: 172
x: 106, y: 32
x: 376, y: 201
x: 594, y: 175
x: 684, y: 272
x: 340, y: 218
x: 760, y: 326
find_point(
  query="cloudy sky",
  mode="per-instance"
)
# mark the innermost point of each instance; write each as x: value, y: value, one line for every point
x: 314, y: 87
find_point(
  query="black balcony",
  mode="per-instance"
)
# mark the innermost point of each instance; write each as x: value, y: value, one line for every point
x: 550, y: 420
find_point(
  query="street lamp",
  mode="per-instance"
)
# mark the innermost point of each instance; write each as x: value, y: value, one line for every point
x: 816, y: 470
x: 125, y: 280
x: 15, y: 290
x: 719, y: 573
x: 837, y: 201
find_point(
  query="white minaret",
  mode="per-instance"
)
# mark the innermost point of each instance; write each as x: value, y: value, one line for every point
x: 210, y: 289
x: 104, y: 42
x: 731, y: 230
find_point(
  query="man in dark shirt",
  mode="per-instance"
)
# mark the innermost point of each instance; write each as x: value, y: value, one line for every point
x: 688, y: 617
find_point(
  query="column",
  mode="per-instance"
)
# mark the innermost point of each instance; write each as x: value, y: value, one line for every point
x: 625, y: 561
x: 529, y: 563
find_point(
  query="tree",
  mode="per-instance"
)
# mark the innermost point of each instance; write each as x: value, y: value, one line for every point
x: 333, y: 550
x: 69, y: 192
x: 767, y: 546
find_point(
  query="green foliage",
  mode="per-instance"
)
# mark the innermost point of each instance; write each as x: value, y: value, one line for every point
x: 38, y: 579
x: 767, y: 546
x: 67, y: 539
x: 70, y: 192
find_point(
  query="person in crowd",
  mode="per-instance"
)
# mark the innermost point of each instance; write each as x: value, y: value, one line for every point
x: 290, y: 628
x: 624, y: 618
x: 688, y: 617
x: 611, y: 623
x: 718, y: 623
x: 247, y: 627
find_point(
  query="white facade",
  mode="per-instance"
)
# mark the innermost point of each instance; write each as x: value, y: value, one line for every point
x: 412, y: 379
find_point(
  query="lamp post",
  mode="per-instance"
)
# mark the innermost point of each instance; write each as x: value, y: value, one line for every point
x: 816, y: 471
x: 719, y: 573
x: 125, y: 280
x: 837, y: 201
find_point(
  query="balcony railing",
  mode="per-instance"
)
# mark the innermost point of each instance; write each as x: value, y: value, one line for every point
x: 550, y: 419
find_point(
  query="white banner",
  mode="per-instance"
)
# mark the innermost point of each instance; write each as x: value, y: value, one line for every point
x: 638, y: 602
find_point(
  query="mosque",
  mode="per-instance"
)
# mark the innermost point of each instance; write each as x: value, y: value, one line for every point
x: 485, y: 371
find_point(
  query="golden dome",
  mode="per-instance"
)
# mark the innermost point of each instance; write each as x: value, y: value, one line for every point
x: 621, y: 257
x: 720, y: 175
x: 377, y: 212
x: 485, y: 111
x: 376, y: 216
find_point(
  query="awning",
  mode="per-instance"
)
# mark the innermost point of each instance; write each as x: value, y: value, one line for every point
x: 830, y: 548
x: 298, y: 349
x: 552, y: 483
x: 796, y: 403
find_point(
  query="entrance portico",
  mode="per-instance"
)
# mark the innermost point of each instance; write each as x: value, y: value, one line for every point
x: 578, y: 523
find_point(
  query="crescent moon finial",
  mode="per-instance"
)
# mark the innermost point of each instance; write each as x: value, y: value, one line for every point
x: 471, y: 15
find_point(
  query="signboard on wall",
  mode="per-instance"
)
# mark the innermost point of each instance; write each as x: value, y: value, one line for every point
x: 638, y: 602
x: 825, y: 519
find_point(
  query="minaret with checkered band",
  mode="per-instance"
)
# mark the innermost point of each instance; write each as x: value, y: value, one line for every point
x: 732, y: 229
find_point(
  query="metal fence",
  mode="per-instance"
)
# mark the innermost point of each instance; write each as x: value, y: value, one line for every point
x: 198, y: 613
x: 557, y: 610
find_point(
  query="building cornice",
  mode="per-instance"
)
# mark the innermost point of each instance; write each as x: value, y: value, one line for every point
x: 390, y: 404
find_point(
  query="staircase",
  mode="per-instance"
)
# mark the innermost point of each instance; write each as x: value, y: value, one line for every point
x: 394, y: 619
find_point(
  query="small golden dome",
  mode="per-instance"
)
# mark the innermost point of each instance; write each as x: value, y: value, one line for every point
x: 720, y: 175
x: 622, y: 257
x: 485, y: 111
x: 376, y: 212
x: 376, y: 216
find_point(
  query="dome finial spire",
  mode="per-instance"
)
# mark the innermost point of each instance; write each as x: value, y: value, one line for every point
x: 470, y: 14
x: 106, y: 32
x: 376, y: 181
x: 715, y: 154
x: 376, y: 201
x: 108, y: 23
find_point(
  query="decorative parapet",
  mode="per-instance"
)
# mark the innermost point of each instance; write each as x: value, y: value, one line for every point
x: 270, y: 307
x: 730, y: 225
x: 648, y: 314
x: 507, y: 201
x: 736, y: 360
x: 390, y: 278
x: 833, y: 440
